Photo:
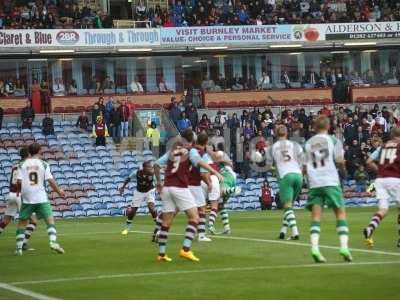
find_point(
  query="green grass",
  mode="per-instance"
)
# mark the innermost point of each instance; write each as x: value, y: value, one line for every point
x: 230, y: 268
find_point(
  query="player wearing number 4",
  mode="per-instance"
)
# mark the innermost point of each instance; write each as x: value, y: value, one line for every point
x: 288, y: 157
x: 387, y: 184
x: 32, y: 177
x: 322, y: 153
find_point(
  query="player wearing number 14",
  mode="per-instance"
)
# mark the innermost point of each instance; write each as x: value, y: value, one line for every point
x: 386, y: 162
x: 323, y: 154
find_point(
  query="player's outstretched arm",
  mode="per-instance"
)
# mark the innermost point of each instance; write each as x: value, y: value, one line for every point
x: 56, y: 188
x: 371, y: 165
x: 206, y: 166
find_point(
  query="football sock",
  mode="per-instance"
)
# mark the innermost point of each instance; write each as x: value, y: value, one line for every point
x: 20, y: 236
x: 29, y: 229
x: 315, y: 231
x: 153, y: 213
x: 343, y: 231
x: 212, y: 217
x: 202, y: 224
x: 373, y: 224
x: 130, y: 214
x: 225, y: 219
x: 190, y: 232
x: 2, y: 226
x: 284, y: 226
x: 158, y: 223
x: 52, y: 233
x: 162, y: 240
x: 291, y: 220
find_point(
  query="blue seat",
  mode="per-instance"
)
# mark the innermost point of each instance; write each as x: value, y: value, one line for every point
x: 79, y: 213
x: 116, y: 212
x: 68, y: 214
x: 92, y: 213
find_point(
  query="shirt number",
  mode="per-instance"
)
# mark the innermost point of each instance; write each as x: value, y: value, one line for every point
x: 319, y: 157
x: 33, y: 178
x: 389, y: 154
x: 285, y: 155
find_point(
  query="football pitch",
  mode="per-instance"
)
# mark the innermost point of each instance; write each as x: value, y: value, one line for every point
x: 251, y: 263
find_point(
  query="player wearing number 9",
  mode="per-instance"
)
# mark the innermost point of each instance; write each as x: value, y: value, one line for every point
x: 323, y: 154
x: 32, y: 177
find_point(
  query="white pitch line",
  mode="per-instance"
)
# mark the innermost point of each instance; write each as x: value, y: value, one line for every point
x: 288, y: 243
x: 284, y: 243
x: 216, y: 270
x: 25, y: 292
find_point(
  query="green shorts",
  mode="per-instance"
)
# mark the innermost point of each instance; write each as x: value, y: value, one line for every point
x: 331, y: 196
x: 42, y: 210
x: 290, y: 187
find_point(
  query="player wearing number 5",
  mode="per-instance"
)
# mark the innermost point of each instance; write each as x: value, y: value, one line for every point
x: 323, y: 154
x: 288, y: 158
x: 386, y: 162
x: 32, y: 177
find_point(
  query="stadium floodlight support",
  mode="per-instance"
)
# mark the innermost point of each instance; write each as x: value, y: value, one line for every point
x: 56, y: 51
x: 287, y: 46
x: 340, y: 52
x: 135, y: 50
x: 211, y: 48
x: 360, y: 44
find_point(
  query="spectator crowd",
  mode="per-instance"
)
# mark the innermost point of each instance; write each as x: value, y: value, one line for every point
x: 263, y: 12
x: 50, y: 14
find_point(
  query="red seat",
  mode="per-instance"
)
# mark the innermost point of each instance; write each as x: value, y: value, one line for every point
x: 381, y: 99
x: 233, y: 104
x: 146, y: 105
x: 392, y: 98
x: 360, y: 99
x: 156, y: 105
x: 59, y: 110
x: 371, y: 99
x: 223, y: 104
x: 277, y: 102
x: 263, y: 103
x: 10, y: 111
x: 212, y: 105
x: 89, y: 108
x: 244, y: 103
x: 306, y: 102
x: 80, y: 108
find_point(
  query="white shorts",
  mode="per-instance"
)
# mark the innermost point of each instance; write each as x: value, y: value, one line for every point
x: 387, y: 190
x: 198, y: 195
x: 13, y: 205
x: 215, y: 193
x: 175, y: 198
x: 139, y: 197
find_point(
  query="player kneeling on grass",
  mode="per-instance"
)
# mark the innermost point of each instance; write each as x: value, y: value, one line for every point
x: 32, y: 177
x: 323, y: 153
x: 386, y: 162
x: 14, y: 202
x: 175, y: 195
x: 288, y: 158
x: 145, y: 191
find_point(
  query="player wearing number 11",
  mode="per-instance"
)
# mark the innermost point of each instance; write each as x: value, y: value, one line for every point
x: 32, y: 177
x: 323, y: 154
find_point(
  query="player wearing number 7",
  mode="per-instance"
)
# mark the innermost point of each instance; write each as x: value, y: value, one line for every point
x: 32, y: 177
x: 287, y: 157
x: 387, y: 184
x: 323, y: 154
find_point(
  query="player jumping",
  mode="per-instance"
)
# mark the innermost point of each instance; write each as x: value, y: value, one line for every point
x: 32, y: 176
x: 175, y: 195
x: 14, y: 202
x: 288, y: 157
x: 145, y: 191
x: 386, y: 162
x: 322, y: 152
